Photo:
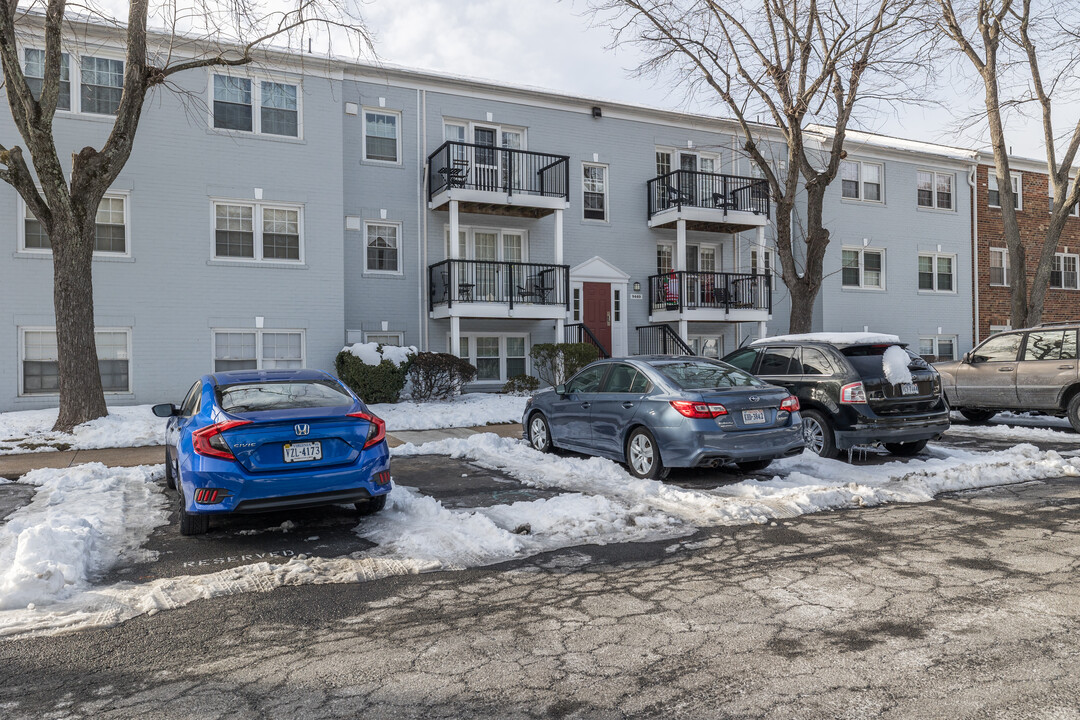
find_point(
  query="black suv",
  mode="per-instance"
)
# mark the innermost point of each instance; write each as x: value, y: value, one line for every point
x: 845, y: 397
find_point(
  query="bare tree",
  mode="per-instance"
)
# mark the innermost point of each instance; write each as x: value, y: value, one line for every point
x: 1011, y: 46
x: 797, y: 63
x: 64, y: 196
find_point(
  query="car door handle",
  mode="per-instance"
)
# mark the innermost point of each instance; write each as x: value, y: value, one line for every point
x: 628, y: 405
x: 1065, y: 367
x: 586, y: 406
x: 1008, y: 369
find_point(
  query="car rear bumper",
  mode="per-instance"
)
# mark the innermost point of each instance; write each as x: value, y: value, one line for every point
x: 711, y: 447
x: 903, y: 430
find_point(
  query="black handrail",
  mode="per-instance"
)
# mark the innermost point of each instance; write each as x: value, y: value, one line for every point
x: 690, y: 188
x: 683, y: 290
x: 497, y: 169
x: 580, y: 333
x: 510, y: 283
x: 661, y: 340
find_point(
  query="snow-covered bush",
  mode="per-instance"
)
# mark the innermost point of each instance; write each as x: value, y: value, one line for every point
x: 555, y: 363
x: 375, y: 372
x: 438, y: 376
x: 521, y: 385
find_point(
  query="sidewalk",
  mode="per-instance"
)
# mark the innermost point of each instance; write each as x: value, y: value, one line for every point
x: 12, y: 467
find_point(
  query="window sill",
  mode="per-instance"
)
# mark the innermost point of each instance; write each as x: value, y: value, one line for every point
x: 857, y: 201
x: 942, y: 211
x: 863, y: 289
x: 258, y: 264
x: 86, y: 117
x: 382, y: 274
x: 945, y: 293
x: 25, y: 255
x: 383, y: 164
x: 251, y: 135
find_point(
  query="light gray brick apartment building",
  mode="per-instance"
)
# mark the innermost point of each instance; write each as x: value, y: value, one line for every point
x: 270, y: 214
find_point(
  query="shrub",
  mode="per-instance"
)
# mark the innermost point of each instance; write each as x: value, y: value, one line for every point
x: 439, y: 376
x: 521, y: 385
x: 374, y: 383
x: 555, y: 363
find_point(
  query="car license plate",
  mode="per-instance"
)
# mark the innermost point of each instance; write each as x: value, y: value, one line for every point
x: 909, y: 388
x: 753, y: 417
x: 303, y: 452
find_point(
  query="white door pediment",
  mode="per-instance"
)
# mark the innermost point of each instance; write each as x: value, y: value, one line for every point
x: 597, y: 269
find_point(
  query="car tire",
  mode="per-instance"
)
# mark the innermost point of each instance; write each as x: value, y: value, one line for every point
x: 372, y: 506
x: 907, y: 449
x: 977, y: 416
x: 170, y: 479
x: 643, y: 456
x: 190, y: 523
x: 1073, y: 411
x: 818, y: 434
x: 539, y: 433
x: 754, y: 465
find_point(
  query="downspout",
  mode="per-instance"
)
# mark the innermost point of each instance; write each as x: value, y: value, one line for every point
x: 975, y: 243
x: 421, y: 215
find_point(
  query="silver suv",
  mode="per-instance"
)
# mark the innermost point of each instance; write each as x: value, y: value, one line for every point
x: 1025, y: 370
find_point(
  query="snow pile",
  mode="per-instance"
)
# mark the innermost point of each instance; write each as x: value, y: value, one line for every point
x: 836, y: 338
x: 463, y: 411
x: 374, y: 353
x: 80, y: 522
x: 31, y: 430
x: 895, y: 361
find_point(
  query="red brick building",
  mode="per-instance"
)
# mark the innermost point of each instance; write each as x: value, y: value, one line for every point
x: 993, y: 274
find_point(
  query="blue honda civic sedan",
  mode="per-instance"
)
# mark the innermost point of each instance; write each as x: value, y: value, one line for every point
x: 658, y: 412
x: 252, y: 441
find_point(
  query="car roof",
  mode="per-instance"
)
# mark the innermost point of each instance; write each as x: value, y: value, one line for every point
x: 255, y: 376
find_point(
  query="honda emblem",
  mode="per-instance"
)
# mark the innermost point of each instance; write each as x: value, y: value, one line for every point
x: 302, y: 429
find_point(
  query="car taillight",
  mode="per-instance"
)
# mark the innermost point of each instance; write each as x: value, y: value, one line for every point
x: 698, y: 409
x: 376, y: 429
x: 210, y: 496
x: 790, y: 403
x: 853, y: 394
x: 208, y: 440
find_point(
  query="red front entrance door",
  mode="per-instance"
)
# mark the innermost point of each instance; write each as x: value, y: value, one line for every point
x: 597, y: 311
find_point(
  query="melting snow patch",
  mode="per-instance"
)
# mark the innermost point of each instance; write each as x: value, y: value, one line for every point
x: 31, y: 431
x: 464, y: 411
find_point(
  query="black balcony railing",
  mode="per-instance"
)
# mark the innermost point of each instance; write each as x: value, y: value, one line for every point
x: 490, y: 281
x: 660, y: 340
x: 580, y: 333
x: 496, y: 169
x: 682, y: 290
x: 689, y: 188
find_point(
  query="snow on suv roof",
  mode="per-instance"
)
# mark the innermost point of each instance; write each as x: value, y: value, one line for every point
x: 835, y: 338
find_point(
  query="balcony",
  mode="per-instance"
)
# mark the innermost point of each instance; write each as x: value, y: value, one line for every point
x: 710, y: 297
x: 708, y: 201
x: 491, y: 289
x: 497, y: 181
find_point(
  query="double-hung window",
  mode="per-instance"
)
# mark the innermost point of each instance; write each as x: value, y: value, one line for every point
x: 280, y: 113
x: 861, y: 180
x: 381, y: 141
x: 497, y: 358
x: 863, y: 268
x: 110, y: 229
x: 594, y: 184
x: 382, y: 247
x: 1063, y: 276
x: 935, y: 190
x: 993, y: 195
x: 102, y: 82
x: 233, y: 103
x: 34, y: 71
x: 663, y: 162
x: 999, y: 266
x: 235, y: 100
x: 254, y: 231
x: 258, y: 350
x: 41, y: 366
x: 937, y: 348
x: 663, y: 259
x: 936, y: 272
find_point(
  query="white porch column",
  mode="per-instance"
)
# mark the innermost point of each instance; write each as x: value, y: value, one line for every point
x: 761, y: 244
x: 560, y: 330
x: 453, y: 269
x: 680, y: 245
x: 761, y: 329
x: 684, y: 330
x: 455, y: 335
x: 558, y: 238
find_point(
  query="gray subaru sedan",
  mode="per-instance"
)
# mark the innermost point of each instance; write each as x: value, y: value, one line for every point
x: 658, y: 412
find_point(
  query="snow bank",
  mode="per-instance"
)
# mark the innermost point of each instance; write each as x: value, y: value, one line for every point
x: 370, y: 354
x: 837, y: 338
x: 80, y: 522
x: 463, y: 411
x: 1012, y: 433
x: 895, y: 361
x: 31, y: 430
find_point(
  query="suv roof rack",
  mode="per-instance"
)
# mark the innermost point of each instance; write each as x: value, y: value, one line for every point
x: 1060, y: 322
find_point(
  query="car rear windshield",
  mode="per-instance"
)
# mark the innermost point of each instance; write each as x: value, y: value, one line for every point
x: 866, y: 359
x: 289, y: 395
x: 705, y: 375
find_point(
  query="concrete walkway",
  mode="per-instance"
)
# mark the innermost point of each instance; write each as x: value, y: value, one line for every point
x: 13, y: 467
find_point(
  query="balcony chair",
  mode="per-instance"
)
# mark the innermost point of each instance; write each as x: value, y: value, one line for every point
x: 535, y: 290
x: 676, y: 197
x: 456, y: 173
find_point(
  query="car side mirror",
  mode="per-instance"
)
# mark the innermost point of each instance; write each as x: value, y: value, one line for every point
x: 560, y: 389
x: 966, y: 358
x: 165, y: 410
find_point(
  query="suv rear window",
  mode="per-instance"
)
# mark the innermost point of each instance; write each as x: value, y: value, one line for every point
x: 705, y: 375
x: 866, y: 359
x: 288, y: 395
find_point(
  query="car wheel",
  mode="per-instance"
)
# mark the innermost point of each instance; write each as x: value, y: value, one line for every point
x: 643, y: 456
x: 753, y: 465
x: 539, y: 433
x: 191, y: 524
x: 818, y: 434
x: 906, y: 449
x: 170, y: 479
x: 977, y: 416
x: 372, y: 506
x: 1073, y: 410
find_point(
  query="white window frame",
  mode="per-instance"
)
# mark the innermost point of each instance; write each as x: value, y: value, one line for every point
x: 257, y: 207
x: 52, y: 328
x: 862, y: 182
x: 862, y: 268
x: 762, y: 259
x: 372, y: 271
x: 363, y: 135
x: 1076, y: 208
x: 471, y: 125
x: 935, y: 340
x: 470, y: 337
x: 24, y: 213
x: 74, y: 88
x: 256, y: 79
x: 934, y: 258
x: 470, y: 241
x: 607, y: 193
x: 699, y: 339
x: 258, y: 343
x: 1076, y: 260
x: 671, y: 252
x: 386, y: 333
x: 1017, y: 181
x: 934, y: 195
x: 1004, y: 252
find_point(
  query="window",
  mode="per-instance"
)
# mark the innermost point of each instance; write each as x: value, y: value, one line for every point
x: 936, y: 273
x: 41, y: 367
x: 594, y: 183
x: 577, y: 304
x: 999, y: 348
x: 1063, y: 274
x: 617, y: 304
x: 743, y: 359
x: 935, y: 190
x: 863, y: 268
x: 232, y: 103
x: 280, y: 113
x: 707, y: 346
x: 381, y: 136
x: 385, y: 338
x: 102, y: 85
x: 663, y: 259
x: 861, y: 181
x: 1075, y: 209
x: 490, y: 244
x: 776, y: 361
x: 761, y: 262
x: 937, y: 348
x: 235, y: 99
x: 110, y: 228
x: 515, y: 356
x: 999, y: 266
x: 257, y: 232
x: 382, y: 248
x: 663, y: 162
x: 497, y: 358
x: 1050, y: 345
x: 35, y: 75
x: 993, y: 196
x: 814, y: 362
x: 258, y: 349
